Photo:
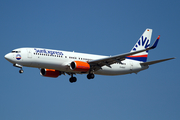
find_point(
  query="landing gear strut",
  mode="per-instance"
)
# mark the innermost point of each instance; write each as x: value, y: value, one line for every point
x: 72, y: 79
x: 19, y: 66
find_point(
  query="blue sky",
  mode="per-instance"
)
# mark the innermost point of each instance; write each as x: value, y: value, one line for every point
x: 98, y: 27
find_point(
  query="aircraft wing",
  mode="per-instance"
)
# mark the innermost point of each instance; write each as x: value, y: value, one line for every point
x: 97, y: 64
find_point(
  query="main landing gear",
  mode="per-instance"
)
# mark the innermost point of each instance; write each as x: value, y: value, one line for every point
x: 72, y: 79
x: 90, y: 76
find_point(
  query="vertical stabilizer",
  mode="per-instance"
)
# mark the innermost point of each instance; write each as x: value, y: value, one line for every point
x: 142, y: 43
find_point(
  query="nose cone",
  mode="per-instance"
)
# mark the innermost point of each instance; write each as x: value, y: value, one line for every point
x: 8, y: 57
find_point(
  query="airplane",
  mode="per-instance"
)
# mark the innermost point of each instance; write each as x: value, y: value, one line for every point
x: 53, y: 63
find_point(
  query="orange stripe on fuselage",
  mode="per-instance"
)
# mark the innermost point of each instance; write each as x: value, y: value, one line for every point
x: 138, y: 56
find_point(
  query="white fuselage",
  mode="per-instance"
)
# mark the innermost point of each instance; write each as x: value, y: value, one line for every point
x: 60, y: 60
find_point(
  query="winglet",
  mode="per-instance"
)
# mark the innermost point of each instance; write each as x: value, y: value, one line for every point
x: 155, y: 43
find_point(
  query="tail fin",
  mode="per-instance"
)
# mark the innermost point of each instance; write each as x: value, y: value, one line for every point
x: 142, y: 43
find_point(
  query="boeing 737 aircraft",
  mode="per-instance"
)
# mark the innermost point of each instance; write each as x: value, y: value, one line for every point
x: 53, y: 63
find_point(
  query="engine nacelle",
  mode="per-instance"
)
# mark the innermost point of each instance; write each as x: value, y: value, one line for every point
x: 79, y: 66
x: 50, y: 73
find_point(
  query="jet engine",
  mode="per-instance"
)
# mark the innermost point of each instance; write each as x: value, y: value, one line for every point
x: 79, y: 66
x: 50, y: 73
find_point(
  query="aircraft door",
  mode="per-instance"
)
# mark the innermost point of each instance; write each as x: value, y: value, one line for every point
x: 29, y: 53
x: 131, y: 65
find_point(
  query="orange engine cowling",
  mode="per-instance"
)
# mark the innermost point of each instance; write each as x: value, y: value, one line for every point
x: 50, y: 73
x: 79, y: 66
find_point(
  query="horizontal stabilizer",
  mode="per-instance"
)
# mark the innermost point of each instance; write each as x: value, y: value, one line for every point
x: 156, y: 61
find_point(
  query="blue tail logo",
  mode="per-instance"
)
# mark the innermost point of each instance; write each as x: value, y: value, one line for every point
x: 143, y: 42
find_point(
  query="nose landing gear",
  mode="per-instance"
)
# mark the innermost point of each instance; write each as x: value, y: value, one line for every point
x: 19, y: 66
x: 21, y: 70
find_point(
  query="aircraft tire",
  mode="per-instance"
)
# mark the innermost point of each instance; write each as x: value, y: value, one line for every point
x: 21, y: 71
x: 90, y: 76
x: 72, y: 79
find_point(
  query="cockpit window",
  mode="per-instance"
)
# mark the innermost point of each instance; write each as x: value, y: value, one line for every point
x: 15, y: 51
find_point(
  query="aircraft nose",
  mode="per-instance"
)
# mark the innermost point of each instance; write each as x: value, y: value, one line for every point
x: 7, y: 56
